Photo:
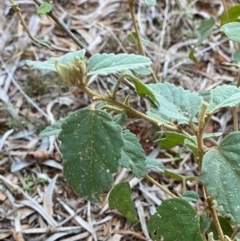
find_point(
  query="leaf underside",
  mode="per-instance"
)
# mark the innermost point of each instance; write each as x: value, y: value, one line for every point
x: 50, y: 63
x: 91, y: 148
x: 104, y: 64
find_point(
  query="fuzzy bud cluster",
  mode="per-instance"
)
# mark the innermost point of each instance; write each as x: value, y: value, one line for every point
x: 73, y: 73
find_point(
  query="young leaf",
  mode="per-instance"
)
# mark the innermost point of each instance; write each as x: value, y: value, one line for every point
x: 150, y: 2
x: 190, y: 196
x: 133, y: 155
x: 221, y: 175
x: 141, y: 88
x: 171, y: 139
x: 104, y: 64
x: 175, y: 102
x: 91, y: 148
x: 175, y: 219
x: 54, y: 129
x: 154, y: 164
x: 205, y: 29
x: 232, y: 15
x: 50, y: 63
x: 46, y: 43
x: 44, y: 8
x: 224, y: 96
x: 232, y: 31
x: 120, y: 198
x: 226, y: 227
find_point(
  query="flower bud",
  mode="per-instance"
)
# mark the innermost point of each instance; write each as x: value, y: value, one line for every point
x: 73, y: 73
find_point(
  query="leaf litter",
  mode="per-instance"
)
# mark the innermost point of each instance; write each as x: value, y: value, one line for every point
x: 36, y: 203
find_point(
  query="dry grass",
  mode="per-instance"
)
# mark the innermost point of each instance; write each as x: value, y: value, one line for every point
x: 35, y: 202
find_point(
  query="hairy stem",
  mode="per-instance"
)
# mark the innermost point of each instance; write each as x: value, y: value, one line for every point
x: 161, y: 187
x: 215, y: 218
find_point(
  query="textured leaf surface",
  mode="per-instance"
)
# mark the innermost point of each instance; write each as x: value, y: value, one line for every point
x: 104, y: 64
x: 205, y: 29
x: 224, y: 96
x: 44, y: 8
x: 120, y: 198
x: 171, y: 139
x: 232, y: 31
x: 232, y: 15
x: 50, y: 63
x: 133, y: 155
x: 150, y: 2
x: 190, y: 196
x: 54, y: 129
x: 91, y: 148
x: 154, y: 164
x: 221, y: 175
x: 176, y: 220
x: 175, y: 103
x: 226, y: 227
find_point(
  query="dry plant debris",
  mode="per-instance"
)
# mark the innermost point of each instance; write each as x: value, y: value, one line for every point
x: 35, y: 202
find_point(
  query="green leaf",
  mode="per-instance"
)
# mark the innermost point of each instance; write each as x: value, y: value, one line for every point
x: 133, y: 155
x: 205, y: 29
x: 190, y: 196
x: 120, y: 118
x: 221, y: 175
x: 50, y: 63
x: 204, y: 222
x: 192, y: 146
x: 175, y: 103
x: 224, y: 96
x: 211, y: 135
x: 226, y: 227
x: 232, y: 31
x: 232, y: 15
x: 154, y: 164
x: 176, y: 176
x: 150, y: 2
x: 91, y: 148
x: 176, y: 220
x: 132, y: 38
x: 120, y: 198
x: 54, y: 129
x: 104, y: 64
x: 171, y: 139
x: 141, y: 88
x: 44, y: 8
x: 46, y: 43
x: 236, y: 56
x: 192, y: 56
